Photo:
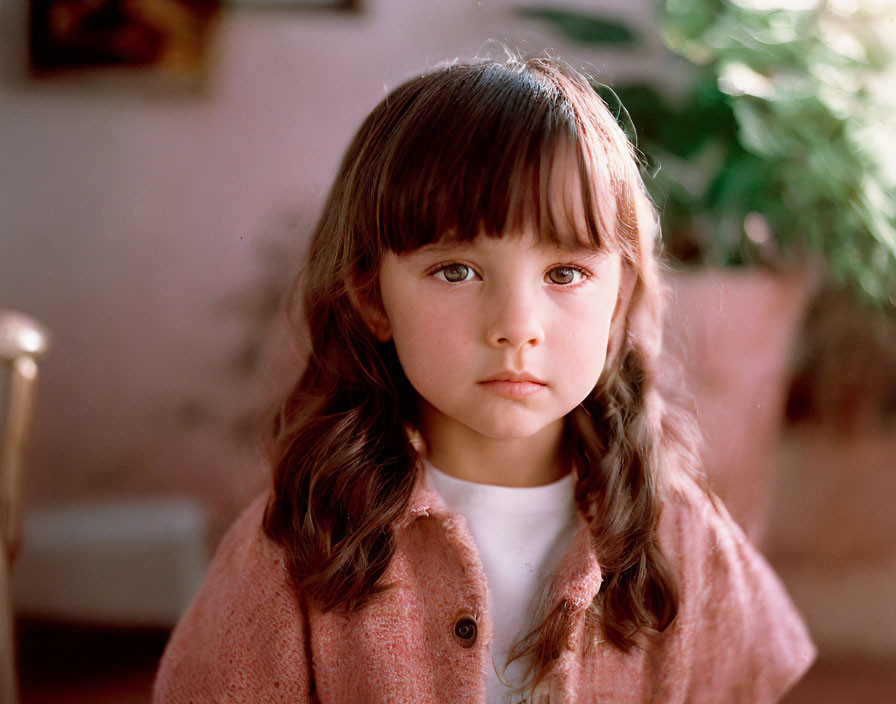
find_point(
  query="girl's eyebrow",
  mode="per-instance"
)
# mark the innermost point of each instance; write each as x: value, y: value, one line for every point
x: 440, y: 247
x: 581, y: 251
x: 446, y: 245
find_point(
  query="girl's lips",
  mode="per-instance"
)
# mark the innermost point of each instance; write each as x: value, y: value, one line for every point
x: 512, y: 389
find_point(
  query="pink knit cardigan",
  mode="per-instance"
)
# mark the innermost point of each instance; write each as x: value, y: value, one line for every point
x: 248, y: 638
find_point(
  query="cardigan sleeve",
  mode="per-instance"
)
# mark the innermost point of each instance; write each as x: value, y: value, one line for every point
x: 243, y: 637
x: 738, y: 636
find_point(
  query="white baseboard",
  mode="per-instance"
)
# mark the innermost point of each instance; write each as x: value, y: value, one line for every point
x: 135, y: 563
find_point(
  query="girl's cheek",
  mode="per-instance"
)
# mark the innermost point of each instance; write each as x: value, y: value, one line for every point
x: 440, y: 313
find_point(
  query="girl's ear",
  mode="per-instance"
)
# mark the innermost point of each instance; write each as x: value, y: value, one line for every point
x: 365, y: 301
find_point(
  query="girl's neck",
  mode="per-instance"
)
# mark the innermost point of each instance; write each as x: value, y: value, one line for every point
x: 462, y: 453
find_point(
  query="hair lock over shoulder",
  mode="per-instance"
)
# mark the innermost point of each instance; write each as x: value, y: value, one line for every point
x: 462, y: 151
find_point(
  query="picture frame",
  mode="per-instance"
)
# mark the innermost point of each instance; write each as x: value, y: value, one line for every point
x: 165, y: 37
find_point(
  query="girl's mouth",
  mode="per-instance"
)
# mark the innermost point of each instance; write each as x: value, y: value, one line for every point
x: 513, y: 389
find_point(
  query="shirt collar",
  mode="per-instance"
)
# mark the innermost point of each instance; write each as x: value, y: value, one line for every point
x: 578, y: 577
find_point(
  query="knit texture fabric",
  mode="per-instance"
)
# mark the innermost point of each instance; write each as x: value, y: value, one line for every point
x: 247, y: 637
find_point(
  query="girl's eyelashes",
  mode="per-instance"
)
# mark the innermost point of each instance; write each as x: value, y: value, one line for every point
x: 454, y: 273
x: 566, y: 275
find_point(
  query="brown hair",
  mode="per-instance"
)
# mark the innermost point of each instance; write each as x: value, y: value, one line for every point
x: 461, y: 151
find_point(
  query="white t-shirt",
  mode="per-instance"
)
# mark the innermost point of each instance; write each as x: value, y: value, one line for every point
x: 521, y: 533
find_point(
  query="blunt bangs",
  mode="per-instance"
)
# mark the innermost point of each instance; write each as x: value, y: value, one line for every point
x: 495, y: 150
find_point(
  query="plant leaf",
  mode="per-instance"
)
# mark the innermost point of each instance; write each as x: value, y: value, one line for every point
x: 581, y: 27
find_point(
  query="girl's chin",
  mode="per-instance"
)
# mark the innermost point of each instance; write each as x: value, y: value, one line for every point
x: 504, y: 421
x: 506, y: 429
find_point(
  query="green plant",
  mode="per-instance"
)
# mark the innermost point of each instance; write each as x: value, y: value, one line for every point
x: 786, y: 140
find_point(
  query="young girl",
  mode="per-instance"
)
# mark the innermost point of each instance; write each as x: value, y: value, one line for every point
x: 480, y: 494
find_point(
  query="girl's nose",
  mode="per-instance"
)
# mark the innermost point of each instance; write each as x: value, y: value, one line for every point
x: 515, y: 321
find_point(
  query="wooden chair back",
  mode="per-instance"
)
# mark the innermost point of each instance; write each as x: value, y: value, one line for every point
x: 23, y: 342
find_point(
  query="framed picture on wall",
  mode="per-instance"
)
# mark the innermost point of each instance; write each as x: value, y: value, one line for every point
x: 167, y: 36
x: 301, y: 4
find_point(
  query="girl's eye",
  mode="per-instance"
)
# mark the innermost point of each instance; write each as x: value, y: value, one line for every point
x: 455, y: 273
x: 565, y: 275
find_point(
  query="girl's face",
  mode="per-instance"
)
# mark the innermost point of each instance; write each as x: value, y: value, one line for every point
x: 500, y: 337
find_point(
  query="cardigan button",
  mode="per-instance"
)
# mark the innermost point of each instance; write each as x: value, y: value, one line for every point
x: 465, y: 630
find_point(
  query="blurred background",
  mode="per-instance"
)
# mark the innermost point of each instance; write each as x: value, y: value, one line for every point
x: 162, y: 161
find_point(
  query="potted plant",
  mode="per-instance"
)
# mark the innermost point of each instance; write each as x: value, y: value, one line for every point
x: 779, y: 150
